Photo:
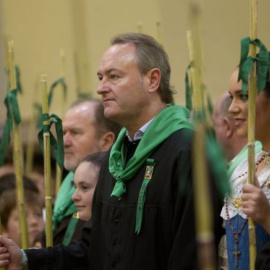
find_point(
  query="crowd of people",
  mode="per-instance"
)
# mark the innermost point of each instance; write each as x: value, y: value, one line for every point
x: 128, y: 199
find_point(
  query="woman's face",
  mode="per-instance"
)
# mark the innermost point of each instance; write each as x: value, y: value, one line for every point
x: 239, y: 109
x: 35, y: 224
x: 85, y: 180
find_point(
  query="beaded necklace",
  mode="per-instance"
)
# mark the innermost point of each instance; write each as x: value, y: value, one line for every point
x: 238, y: 203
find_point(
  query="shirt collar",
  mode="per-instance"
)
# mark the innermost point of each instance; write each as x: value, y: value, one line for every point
x: 138, y: 134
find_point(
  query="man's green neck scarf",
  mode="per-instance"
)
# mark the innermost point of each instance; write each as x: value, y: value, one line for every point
x: 64, y: 205
x: 168, y: 121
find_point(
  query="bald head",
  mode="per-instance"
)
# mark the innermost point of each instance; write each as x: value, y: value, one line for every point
x: 225, y: 128
x: 221, y: 108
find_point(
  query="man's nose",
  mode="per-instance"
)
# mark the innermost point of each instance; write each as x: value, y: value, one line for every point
x: 66, y: 139
x: 103, y: 87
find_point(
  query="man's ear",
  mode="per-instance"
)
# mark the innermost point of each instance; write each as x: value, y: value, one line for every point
x: 106, y: 141
x: 154, y: 76
x: 228, y: 127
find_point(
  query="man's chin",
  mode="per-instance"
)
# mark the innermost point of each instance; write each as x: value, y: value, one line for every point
x: 111, y: 114
x: 69, y: 166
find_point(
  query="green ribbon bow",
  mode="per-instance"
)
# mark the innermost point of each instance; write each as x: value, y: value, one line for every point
x: 189, y: 88
x: 60, y: 81
x: 13, y: 113
x: 57, y: 145
x: 246, y: 63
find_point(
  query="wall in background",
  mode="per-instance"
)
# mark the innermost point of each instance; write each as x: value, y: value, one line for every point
x: 40, y: 29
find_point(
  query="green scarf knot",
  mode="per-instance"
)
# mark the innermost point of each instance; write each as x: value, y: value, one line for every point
x: 119, y: 188
x: 168, y: 121
x: 13, y: 114
x: 57, y: 145
x: 246, y: 63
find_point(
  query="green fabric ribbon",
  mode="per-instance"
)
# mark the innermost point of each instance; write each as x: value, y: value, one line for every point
x: 207, y: 109
x: 209, y: 105
x: 189, y: 88
x: 150, y: 163
x: 60, y: 81
x: 38, y: 107
x: 57, y: 145
x: 246, y: 63
x: 13, y: 113
x: 218, y: 163
x: 70, y: 230
x: 18, y: 79
x: 64, y: 205
x: 163, y: 125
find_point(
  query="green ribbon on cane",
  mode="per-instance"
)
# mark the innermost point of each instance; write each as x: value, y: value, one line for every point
x: 60, y: 81
x: 189, y: 88
x: 246, y: 63
x: 38, y: 107
x: 13, y: 113
x: 18, y: 79
x: 57, y: 145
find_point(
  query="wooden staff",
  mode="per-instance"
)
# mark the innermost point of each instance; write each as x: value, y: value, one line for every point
x: 62, y: 74
x: 251, y: 127
x: 6, y: 38
x: 17, y: 156
x: 1, y: 232
x: 59, y: 171
x: 30, y: 143
x: 203, y: 206
x: 196, y: 100
x: 159, y: 35
x: 47, y: 163
x: 77, y: 73
x: 140, y: 27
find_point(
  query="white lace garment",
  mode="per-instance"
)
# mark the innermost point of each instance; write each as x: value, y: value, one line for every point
x: 239, y: 178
